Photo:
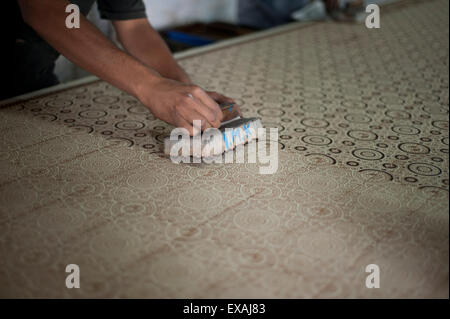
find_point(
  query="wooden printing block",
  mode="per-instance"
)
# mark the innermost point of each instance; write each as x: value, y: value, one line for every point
x: 234, y: 131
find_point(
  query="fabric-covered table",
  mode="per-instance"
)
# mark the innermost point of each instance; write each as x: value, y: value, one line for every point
x: 362, y: 179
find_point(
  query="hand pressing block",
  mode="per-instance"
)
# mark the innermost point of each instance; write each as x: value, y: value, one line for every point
x: 234, y: 131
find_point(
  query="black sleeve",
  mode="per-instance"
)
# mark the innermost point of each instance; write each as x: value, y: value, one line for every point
x: 121, y: 9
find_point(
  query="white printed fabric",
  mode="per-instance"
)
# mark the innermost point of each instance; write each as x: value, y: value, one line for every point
x: 362, y: 176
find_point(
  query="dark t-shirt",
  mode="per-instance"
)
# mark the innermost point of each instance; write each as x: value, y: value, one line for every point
x: 33, y: 59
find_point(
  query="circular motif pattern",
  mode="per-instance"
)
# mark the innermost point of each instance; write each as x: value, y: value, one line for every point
x: 315, y: 123
x: 322, y: 211
x: 253, y: 257
x: 271, y: 112
x: 316, y: 140
x: 398, y: 115
x: 273, y: 98
x: 362, y: 135
x: 389, y: 165
x: 445, y: 141
x: 440, y: 124
x: 380, y: 112
x: 81, y: 129
x: 188, y: 232
x: 46, y: 117
x: 120, y: 142
x: 256, y: 220
x: 146, y: 181
x: 414, y: 148
x: 130, y: 125
x: 435, y: 109
x: 59, y: 103
x: 405, y: 130
x: 424, y: 169
x: 319, y: 159
x: 392, y: 99
x: 92, y: 114
x: 317, y: 244
x: 354, y: 104
x: 367, y: 154
x: 138, y: 109
x: 98, y: 165
x: 106, y: 99
x: 357, y: 118
x: 197, y: 199
x: 172, y: 271
x: 313, y: 108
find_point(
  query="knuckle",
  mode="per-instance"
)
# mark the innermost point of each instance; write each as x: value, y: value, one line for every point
x: 185, y: 99
x: 196, y: 89
x: 176, y: 109
x: 209, y: 114
x: 219, y: 115
x: 190, y: 129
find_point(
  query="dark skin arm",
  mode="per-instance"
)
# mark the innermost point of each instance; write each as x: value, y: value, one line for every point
x: 144, y: 43
x: 172, y: 101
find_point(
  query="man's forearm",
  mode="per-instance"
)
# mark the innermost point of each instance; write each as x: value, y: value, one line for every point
x: 174, y: 102
x: 87, y: 46
x: 143, y: 42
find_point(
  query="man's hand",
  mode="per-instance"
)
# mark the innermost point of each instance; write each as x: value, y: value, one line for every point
x: 172, y: 101
x: 222, y: 99
x: 180, y: 104
x: 219, y: 98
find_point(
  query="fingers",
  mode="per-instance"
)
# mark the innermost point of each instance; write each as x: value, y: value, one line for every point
x: 179, y: 121
x: 238, y: 109
x: 220, y: 98
x: 188, y: 124
x: 201, y: 112
x: 180, y: 104
x: 190, y: 110
x: 190, y: 115
x: 202, y: 97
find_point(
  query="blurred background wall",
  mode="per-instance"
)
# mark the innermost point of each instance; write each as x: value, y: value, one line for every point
x: 177, y: 12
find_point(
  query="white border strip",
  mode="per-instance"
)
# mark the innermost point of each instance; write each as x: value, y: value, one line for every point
x: 178, y: 55
x: 240, y: 39
x: 50, y: 89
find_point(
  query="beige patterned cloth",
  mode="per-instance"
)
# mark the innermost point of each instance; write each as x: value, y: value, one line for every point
x: 362, y: 178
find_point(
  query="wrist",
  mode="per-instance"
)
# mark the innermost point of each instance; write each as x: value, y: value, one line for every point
x: 143, y: 84
x: 185, y: 79
x: 178, y: 74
